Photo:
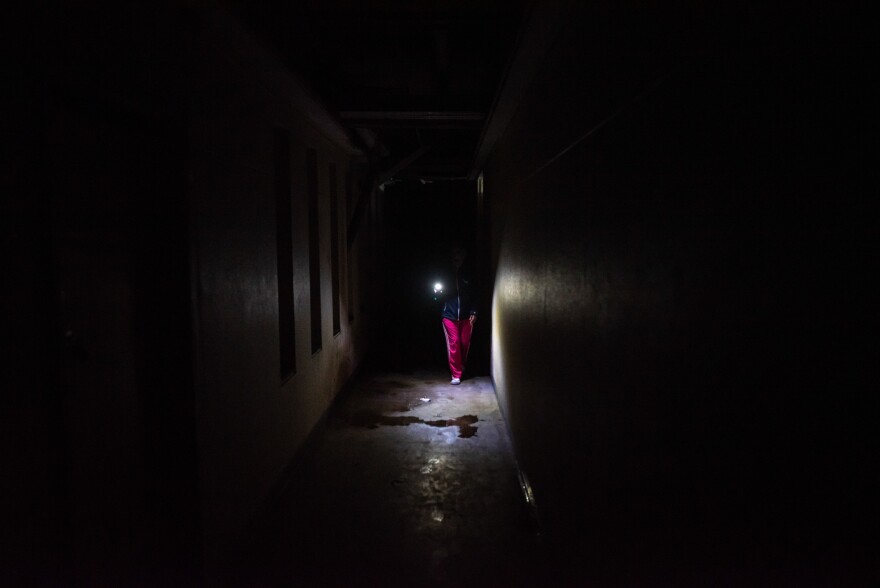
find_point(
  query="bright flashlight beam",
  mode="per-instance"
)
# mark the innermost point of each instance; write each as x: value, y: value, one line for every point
x: 438, y: 287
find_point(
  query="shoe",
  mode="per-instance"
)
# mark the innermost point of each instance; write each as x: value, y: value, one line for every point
x: 455, y: 381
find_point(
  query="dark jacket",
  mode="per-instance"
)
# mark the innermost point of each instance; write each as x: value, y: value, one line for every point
x: 458, y: 295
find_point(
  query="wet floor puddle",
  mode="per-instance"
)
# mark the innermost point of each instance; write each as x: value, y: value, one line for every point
x: 373, y: 420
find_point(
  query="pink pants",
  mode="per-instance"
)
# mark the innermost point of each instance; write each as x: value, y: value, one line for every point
x: 458, y: 342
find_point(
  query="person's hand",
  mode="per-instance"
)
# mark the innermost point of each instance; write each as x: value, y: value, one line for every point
x: 473, y: 319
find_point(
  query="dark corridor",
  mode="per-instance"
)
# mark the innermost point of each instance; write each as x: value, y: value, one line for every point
x: 424, y: 222
x: 224, y: 365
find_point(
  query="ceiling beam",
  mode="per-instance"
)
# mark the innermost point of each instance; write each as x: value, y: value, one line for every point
x: 413, y: 119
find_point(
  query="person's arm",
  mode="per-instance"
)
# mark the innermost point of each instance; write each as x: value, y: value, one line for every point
x: 473, y: 306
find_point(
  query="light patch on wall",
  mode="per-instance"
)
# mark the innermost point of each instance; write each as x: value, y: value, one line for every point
x: 519, y: 291
x: 497, y: 353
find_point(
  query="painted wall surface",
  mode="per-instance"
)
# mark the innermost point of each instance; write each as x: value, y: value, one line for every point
x: 148, y: 408
x: 250, y: 422
x: 103, y: 373
x: 679, y: 293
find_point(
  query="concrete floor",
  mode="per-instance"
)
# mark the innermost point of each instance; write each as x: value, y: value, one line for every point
x: 411, y: 481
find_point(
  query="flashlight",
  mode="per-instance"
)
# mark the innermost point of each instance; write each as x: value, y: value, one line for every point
x: 438, y: 291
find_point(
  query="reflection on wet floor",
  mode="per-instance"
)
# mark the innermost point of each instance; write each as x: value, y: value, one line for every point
x: 372, y: 420
x: 380, y: 498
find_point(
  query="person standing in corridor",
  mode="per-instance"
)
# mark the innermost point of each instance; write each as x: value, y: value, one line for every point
x: 458, y: 314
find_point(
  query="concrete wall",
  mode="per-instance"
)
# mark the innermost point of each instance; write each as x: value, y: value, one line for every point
x: 679, y: 304
x: 149, y: 418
